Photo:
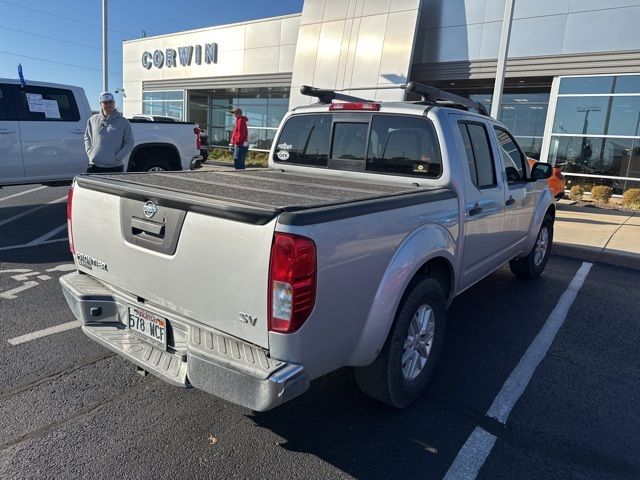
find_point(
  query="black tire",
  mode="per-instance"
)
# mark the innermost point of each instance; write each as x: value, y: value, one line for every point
x: 533, y: 264
x: 384, y: 379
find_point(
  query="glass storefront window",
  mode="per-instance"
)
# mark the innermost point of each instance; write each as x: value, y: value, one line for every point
x: 524, y: 114
x: 625, y: 116
x: 627, y: 84
x: 592, y: 113
x: 264, y: 107
x: 169, y: 103
x: 586, y: 85
x: 617, y: 157
x: 581, y: 115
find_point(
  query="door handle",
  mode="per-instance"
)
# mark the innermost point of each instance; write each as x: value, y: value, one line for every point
x: 475, y: 210
x: 77, y: 131
x: 511, y: 201
x: 4, y: 131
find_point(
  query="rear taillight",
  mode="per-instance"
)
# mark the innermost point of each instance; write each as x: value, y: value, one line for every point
x: 292, y: 282
x: 196, y: 130
x: 69, y: 228
x: 355, y: 106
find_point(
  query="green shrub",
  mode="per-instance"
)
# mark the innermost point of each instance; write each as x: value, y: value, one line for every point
x: 631, y: 198
x: 600, y: 193
x: 576, y: 193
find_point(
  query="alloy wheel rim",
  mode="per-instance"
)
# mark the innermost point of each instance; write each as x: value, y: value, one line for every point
x: 417, y: 345
x: 542, y: 244
x: 156, y: 169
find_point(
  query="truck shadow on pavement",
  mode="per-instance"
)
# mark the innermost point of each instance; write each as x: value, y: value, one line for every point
x: 34, y: 234
x: 489, y: 328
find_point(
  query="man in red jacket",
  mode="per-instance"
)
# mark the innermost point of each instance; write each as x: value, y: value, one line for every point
x: 240, y: 139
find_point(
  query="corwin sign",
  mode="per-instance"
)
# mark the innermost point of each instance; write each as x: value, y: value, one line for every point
x: 184, y: 56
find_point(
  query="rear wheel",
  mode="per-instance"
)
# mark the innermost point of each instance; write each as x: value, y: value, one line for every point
x: 157, y: 167
x: 534, y: 263
x: 401, y: 372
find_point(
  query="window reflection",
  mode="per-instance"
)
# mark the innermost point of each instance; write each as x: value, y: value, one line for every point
x: 167, y: 103
x: 583, y: 115
x: 619, y: 157
x: 524, y: 114
x: 264, y: 107
x: 586, y: 85
x: 585, y: 130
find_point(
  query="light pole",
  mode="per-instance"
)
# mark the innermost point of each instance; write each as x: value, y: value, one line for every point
x: 105, y: 49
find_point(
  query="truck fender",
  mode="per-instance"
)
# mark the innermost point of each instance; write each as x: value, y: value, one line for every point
x: 421, y: 245
x: 545, y: 204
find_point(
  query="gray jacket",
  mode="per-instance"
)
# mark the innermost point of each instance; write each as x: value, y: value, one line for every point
x: 108, y: 140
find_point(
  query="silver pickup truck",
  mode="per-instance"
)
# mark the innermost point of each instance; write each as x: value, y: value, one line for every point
x: 346, y: 252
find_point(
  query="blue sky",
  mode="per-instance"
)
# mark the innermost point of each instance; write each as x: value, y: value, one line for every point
x: 61, y: 41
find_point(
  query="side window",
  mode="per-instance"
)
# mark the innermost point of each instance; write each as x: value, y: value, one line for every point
x: 305, y: 140
x: 479, y: 156
x: 403, y: 146
x: 349, y: 141
x: 47, y: 104
x: 7, y: 108
x: 512, y: 158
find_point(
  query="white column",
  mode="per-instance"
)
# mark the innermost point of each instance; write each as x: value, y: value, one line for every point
x: 502, y: 58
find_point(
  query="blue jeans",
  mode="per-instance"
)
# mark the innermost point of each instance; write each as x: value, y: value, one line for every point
x: 239, y: 154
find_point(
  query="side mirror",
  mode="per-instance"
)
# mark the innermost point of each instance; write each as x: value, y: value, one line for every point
x: 541, y: 171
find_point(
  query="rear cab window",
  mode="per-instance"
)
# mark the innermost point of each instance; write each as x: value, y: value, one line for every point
x: 479, y: 157
x: 389, y: 144
x: 47, y: 104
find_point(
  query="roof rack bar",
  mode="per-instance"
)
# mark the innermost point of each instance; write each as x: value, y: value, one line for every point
x: 327, y: 96
x: 432, y: 95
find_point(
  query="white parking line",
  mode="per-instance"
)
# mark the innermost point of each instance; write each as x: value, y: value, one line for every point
x: 20, y: 215
x: 21, y: 193
x: 472, y: 455
x: 42, y: 240
x: 46, y: 332
x: 30, y: 244
x: 11, y: 294
x: 521, y: 375
x: 474, y: 452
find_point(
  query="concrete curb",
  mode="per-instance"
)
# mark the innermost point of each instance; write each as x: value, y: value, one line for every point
x: 597, y: 255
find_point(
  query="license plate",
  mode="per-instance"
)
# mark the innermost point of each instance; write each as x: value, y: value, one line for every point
x: 149, y: 326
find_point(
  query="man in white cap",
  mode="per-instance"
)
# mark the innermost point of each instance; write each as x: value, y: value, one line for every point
x: 108, y: 137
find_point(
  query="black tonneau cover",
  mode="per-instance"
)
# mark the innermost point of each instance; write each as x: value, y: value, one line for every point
x: 260, y: 195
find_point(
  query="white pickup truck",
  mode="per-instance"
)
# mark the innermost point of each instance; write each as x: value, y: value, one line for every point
x: 42, y: 128
x: 346, y: 252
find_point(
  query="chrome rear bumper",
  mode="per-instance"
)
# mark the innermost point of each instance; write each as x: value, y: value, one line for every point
x: 197, y: 356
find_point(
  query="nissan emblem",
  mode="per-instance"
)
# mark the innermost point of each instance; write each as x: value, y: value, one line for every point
x: 149, y: 209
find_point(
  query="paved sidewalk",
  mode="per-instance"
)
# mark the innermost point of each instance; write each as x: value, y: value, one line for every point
x: 597, y: 235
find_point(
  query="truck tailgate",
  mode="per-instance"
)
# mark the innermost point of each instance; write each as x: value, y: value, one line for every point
x: 197, y: 243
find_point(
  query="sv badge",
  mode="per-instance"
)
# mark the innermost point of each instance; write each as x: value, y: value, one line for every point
x: 248, y: 319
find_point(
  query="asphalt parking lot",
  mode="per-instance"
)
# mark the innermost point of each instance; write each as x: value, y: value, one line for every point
x: 71, y: 409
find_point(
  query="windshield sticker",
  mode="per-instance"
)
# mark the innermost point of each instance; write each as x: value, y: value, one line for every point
x: 284, y: 146
x: 283, y: 155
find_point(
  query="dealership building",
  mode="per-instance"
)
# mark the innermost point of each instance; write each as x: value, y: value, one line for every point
x: 572, y: 84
